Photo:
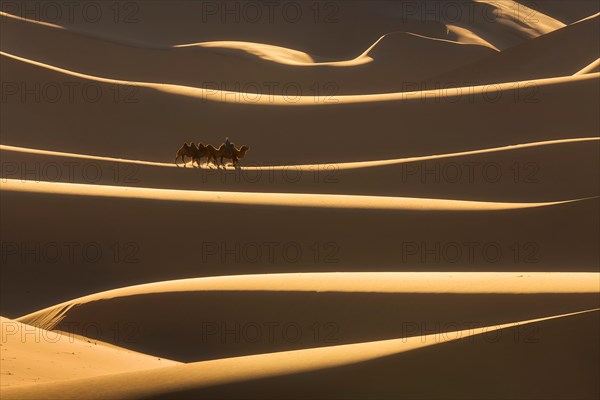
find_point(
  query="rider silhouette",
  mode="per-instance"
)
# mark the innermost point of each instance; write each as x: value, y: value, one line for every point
x: 230, y: 147
x: 228, y: 144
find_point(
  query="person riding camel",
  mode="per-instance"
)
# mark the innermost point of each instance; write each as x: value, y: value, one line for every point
x: 230, y: 147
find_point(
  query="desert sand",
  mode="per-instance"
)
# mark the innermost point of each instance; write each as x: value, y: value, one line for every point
x: 417, y: 215
x: 31, y: 355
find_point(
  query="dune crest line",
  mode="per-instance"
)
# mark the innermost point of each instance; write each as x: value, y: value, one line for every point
x: 311, y: 167
x: 347, y: 282
x: 333, y: 201
x: 223, y: 96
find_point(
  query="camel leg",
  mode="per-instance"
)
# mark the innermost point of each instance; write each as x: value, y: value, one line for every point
x: 176, y: 158
x: 183, y: 159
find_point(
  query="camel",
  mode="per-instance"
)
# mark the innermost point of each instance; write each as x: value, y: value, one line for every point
x: 192, y: 151
x: 222, y: 152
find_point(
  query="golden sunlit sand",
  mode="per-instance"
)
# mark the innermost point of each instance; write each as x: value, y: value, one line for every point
x: 216, y: 375
x: 416, y: 215
x: 31, y: 355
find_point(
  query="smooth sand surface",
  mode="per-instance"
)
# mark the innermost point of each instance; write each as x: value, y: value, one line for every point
x: 237, y: 315
x: 579, y: 45
x: 568, y: 13
x: 267, y: 199
x: 256, y: 67
x: 402, y: 120
x: 526, y: 172
x: 228, y: 96
x: 295, y: 368
x: 198, y: 233
x: 31, y: 355
x: 324, y: 29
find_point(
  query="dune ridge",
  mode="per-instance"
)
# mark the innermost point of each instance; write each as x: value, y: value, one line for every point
x: 512, y: 23
x: 269, y: 199
x: 309, y: 167
x: 334, y: 100
x: 593, y: 67
x: 344, y: 282
x: 258, y: 124
x: 252, y: 65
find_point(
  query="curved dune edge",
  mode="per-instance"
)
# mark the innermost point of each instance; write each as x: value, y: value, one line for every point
x: 287, y: 56
x: 586, y: 18
x: 311, y: 167
x: 240, y: 369
x: 267, y: 199
x: 277, y: 54
x: 524, y: 20
x: 223, y: 96
x: 533, y: 59
x: 590, y: 69
x: 33, y: 21
x: 33, y: 353
x: 466, y: 36
x: 345, y: 282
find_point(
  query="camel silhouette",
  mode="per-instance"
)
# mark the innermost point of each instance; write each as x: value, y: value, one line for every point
x: 195, y: 152
x: 217, y: 155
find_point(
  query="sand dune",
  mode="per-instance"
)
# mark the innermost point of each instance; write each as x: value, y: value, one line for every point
x: 268, y: 199
x: 339, y: 364
x: 205, y: 236
x: 254, y: 67
x: 166, y: 114
x: 320, y: 28
x: 533, y: 172
x: 501, y: 24
x: 30, y: 356
x: 227, y: 96
x: 463, y: 35
x: 236, y: 315
x: 341, y: 166
x: 558, y: 53
x: 392, y: 282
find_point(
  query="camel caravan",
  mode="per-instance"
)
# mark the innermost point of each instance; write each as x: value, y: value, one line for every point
x: 226, y: 150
